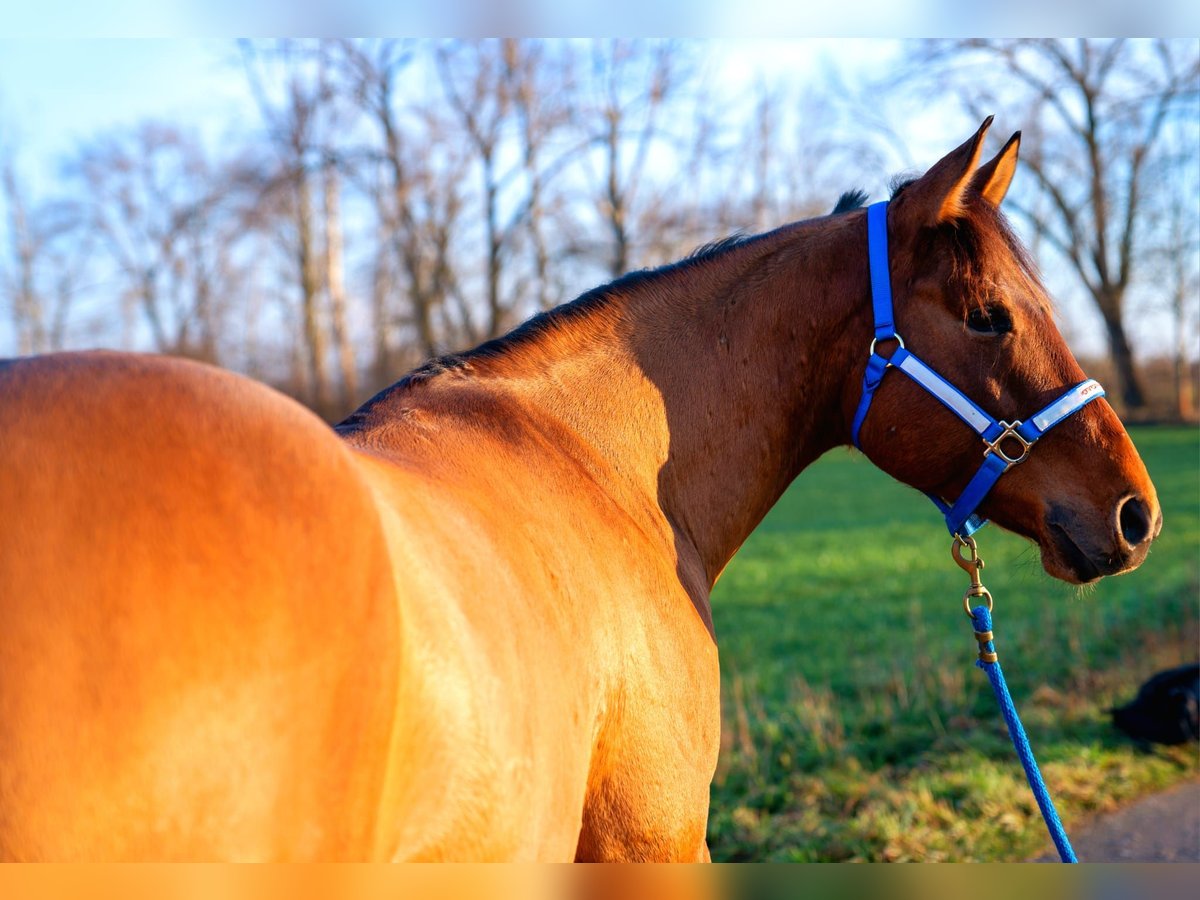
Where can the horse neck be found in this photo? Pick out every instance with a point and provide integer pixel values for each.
(718, 381)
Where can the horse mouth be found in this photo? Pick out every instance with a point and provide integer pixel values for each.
(1069, 562)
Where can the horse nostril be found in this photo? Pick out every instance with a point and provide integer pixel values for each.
(1134, 520)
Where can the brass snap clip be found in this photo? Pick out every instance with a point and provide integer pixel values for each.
(973, 566)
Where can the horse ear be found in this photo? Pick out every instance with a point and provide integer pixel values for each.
(993, 178)
(940, 194)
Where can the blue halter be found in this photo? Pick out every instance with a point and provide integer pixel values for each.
(961, 518)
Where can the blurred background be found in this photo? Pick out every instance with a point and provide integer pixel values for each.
(322, 215)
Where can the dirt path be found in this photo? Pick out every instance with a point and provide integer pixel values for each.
(1161, 828)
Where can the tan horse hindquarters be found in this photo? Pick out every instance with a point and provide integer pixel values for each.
(198, 627)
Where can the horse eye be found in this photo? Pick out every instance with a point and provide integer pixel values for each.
(991, 319)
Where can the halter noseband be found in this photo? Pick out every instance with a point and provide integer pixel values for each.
(961, 518)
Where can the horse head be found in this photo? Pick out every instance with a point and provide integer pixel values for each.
(969, 302)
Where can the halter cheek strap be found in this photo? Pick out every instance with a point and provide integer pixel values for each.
(1006, 443)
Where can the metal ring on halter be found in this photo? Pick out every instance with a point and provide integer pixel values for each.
(893, 337)
(1010, 431)
(976, 592)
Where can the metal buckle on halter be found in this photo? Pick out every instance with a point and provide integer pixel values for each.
(1010, 431)
(894, 336)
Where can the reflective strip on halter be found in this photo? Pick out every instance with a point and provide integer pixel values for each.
(1070, 402)
(956, 402)
(1000, 438)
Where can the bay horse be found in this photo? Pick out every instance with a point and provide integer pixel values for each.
(472, 622)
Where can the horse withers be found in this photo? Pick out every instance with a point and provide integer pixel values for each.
(472, 622)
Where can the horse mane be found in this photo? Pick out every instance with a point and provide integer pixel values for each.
(560, 318)
(593, 301)
(857, 198)
(526, 333)
(850, 201)
(718, 247)
(985, 231)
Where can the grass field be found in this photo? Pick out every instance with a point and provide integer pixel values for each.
(856, 725)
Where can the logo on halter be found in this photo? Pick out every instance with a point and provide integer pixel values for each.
(1010, 431)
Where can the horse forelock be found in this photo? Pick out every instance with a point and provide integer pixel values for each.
(987, 254)
(981, 242)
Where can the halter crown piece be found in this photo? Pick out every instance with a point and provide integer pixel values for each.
(961, 518)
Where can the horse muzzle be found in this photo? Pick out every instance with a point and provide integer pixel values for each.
(1080, 547)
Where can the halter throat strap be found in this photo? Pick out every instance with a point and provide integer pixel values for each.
(1005, 443)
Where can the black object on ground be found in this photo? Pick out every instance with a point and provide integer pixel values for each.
(1166, 709)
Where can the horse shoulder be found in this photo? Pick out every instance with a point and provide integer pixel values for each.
(534, 609)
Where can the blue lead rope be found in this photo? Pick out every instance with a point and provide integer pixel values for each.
(1007, 443)
(982, 619)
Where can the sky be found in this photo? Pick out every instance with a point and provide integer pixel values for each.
(54, 93)
(61, 90)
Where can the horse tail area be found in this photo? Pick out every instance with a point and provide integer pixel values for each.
(198, 628)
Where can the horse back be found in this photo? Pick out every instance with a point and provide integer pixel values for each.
(199, 654)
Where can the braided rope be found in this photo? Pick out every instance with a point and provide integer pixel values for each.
(982, 618)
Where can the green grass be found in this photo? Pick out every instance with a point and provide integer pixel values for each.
(856, 725)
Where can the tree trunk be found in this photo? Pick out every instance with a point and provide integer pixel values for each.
(206, 345)
(495, 314)
(148, 294)
(421, 299)
(381, 315)
(616, 206)
(1184, 398)
(1127, 379)
(28, 316)
(314, 332)
(336, 282)
(202, 305)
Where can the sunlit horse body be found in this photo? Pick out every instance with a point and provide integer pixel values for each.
(474, 622)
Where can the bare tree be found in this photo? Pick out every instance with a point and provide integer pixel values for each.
(369, 72)
(1175, 251)
(28, 308)
(63, 266)
(1096, 111)
(49, 255)
(413, 171)
(476, 79)
(150, 199)
(542, 88)
(335, 285)
(626, 85)
(1184, 288)
(511, 98)
(292, 85)
(776, 165)
(762, 145)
